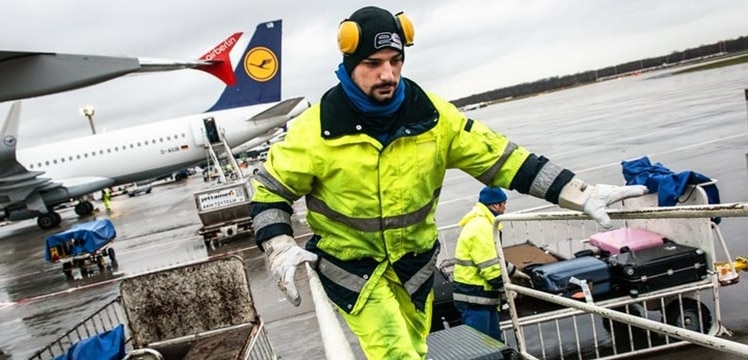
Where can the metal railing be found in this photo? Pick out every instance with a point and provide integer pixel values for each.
(570, 316)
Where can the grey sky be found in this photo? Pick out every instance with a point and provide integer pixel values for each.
(461, 47)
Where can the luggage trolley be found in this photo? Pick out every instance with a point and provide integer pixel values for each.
(204, 310)
(83, 246)
(656, 310)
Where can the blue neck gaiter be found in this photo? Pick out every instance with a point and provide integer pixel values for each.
(363, 103)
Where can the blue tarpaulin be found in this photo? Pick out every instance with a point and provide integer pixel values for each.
(668, 185)
(109, 345)
(91, 236)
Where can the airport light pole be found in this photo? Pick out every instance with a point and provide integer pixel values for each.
(88, 111)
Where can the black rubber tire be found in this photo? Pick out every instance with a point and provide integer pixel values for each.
(112, 258)
(690, 320)
(67, 270)
(47, 221)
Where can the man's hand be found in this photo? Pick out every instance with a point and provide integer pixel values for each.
(593, 200)
(284, 257)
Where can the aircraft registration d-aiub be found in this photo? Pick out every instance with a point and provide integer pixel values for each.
(33, 180)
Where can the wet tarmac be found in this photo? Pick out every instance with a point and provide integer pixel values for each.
(695, 121)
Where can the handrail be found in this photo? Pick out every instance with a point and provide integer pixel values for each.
(690, 211)
(333, 338)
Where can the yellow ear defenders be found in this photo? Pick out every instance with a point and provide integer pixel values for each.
(349, 33)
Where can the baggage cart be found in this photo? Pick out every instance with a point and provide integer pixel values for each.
(204, 310)
(83, 248)
(628, 324)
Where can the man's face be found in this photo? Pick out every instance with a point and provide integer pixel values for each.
(379, 74)
(499, 208)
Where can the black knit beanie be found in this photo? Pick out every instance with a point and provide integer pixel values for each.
(378, 29)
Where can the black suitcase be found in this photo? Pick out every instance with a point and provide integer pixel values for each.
(658, 267)
(444, 310)
(554, 277)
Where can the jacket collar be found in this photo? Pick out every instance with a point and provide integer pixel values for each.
(339, 118)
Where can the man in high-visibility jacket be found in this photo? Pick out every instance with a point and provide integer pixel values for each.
(370, 160)
(477, 272)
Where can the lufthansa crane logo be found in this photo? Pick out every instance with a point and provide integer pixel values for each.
(9, 141)
(261, 64)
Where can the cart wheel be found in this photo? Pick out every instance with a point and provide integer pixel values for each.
(690, 315)
(112, 258)
(100, 263)
(621, 330)
(67, 269)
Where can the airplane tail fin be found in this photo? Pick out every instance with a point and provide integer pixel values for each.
(258, 73)
(9, 137)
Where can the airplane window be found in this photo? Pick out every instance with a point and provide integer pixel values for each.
(46, 163)
(93, 153)
(39, 165)
(138, 144)
(168, 138)
(146, 142)
(31, 166)
(153, 141)
(116, 148)
(54, 161)
(70, 158)
(78, 156)
(62, 160)
(108, 150)
(101, 152)
(160, 140)
(132, 146)
(85, 155)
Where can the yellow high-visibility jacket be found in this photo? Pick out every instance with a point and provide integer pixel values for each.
(372, 203)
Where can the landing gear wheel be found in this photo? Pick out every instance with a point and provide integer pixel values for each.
(690, 315)
(621, 330)
(112, 258)
(84, 208)
(48, 220)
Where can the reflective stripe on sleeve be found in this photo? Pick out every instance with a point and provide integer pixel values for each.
(487, 176)
(544, 179)
(270, 217)
(480, 266)
(264, 178)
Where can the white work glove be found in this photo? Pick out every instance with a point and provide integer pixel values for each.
(594, 199)
(284, 256)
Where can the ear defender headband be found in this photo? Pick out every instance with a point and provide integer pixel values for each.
(349, 33)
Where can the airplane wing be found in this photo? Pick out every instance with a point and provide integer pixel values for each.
(28, 74)
(289, 108)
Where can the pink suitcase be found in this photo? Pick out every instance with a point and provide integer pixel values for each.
(614, 241)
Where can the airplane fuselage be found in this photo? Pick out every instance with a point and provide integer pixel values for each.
(144, 151)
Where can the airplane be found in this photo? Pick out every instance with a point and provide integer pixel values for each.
(33, 180)
(28, 73)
